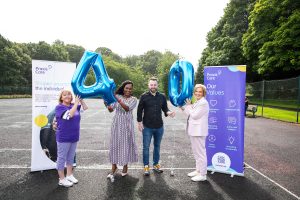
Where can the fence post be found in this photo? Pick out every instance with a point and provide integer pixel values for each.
(298, 104)
(262, 98)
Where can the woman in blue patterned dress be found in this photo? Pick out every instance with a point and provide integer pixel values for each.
(123, 148)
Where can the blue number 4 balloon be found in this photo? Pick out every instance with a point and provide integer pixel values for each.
(104, 86)
(179, 93)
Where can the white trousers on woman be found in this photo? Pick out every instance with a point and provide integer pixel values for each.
(199, 151)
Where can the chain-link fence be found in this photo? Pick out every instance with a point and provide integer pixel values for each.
(279, 94)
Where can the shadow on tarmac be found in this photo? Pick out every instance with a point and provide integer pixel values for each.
(36, 185)
(207, 191)
(155, 187)
(239, 188)
(44, 185)
(122, 187)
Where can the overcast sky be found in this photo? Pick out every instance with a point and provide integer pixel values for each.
(127, 27)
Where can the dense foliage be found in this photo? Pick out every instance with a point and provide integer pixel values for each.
(263, 34)
(15, 64)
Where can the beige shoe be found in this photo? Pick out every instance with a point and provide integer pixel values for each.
(194, 173)
(199, 178)
(124, 174)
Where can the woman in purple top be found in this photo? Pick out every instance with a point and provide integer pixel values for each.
(67, 134)
(122, 148)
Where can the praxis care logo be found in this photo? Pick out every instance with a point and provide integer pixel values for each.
(42, 70)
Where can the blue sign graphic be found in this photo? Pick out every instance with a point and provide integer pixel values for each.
(226, 97)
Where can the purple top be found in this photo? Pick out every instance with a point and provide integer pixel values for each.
(67, 128)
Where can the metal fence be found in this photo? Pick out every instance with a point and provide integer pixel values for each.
(281, 94)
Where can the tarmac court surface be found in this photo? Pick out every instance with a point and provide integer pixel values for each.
(272, 162)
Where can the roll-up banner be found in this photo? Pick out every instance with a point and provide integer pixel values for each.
(226, 96)
(48, 79)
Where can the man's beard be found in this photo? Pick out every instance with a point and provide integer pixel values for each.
(153, 90)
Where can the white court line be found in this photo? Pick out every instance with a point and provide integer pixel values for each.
(81, 150)
(271, 180)
(23, 122)
(103, 167)
(93, 123)
(14, 150)
(94, 128)
(77, 150)
(93, 167)
(14, 113)
(14, 167)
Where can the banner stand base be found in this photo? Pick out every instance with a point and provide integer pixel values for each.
(212, 171)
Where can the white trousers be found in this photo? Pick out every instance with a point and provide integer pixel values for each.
(199, 151)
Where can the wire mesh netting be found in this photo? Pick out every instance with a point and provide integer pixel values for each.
(276, 93)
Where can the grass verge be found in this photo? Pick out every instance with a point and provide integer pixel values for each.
(278, 114)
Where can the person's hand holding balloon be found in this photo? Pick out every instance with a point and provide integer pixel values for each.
(188, 102)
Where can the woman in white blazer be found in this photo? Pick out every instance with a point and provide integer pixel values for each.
(197, 129)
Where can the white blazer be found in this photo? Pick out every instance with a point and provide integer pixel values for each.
(197, 122)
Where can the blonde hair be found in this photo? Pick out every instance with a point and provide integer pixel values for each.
(153, 78)
(200, 86)
(61, 93)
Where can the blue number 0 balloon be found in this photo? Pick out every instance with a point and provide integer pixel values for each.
(104, 86)
(179, 93)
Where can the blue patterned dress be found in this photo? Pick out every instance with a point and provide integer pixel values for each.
(123, 148)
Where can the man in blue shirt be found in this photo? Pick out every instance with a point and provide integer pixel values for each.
(149, 117)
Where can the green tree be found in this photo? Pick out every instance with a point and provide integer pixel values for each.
(165, 63)
(104, 51)
(4, 43)
(45, 51)
(59, 51)
(224, 41)
(199, 77)
(75, 52)
(132, 60)
(26, 63)
(14, 66)
(271, 43)
(149, 62)
(121, 72)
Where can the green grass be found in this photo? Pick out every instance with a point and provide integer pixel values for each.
(15, 96)
(278, 114)
(278, 103)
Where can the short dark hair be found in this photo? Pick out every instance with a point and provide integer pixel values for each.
(120, 90)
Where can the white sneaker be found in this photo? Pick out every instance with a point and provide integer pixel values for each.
(64, 182)
(109, 176)
(194, 173)
(199, 178)
(72, 179)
